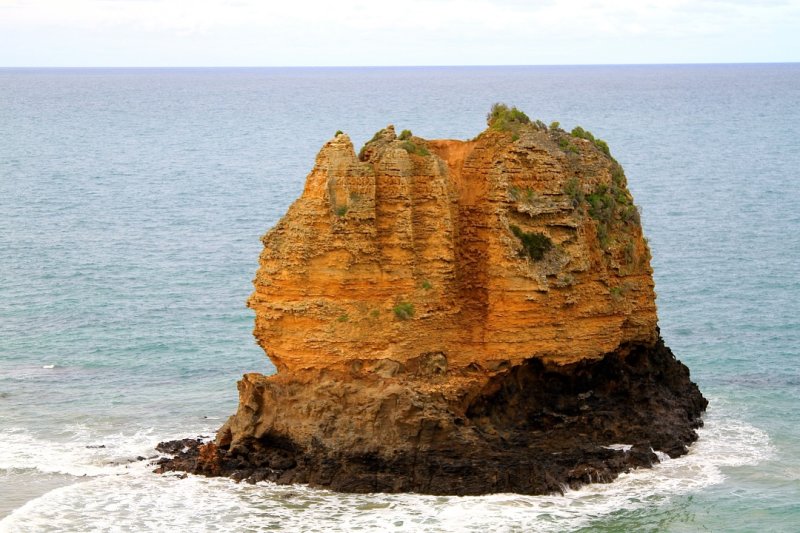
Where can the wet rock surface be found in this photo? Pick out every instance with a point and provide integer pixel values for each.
(534, 429)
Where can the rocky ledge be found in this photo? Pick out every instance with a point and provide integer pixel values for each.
(456, 317)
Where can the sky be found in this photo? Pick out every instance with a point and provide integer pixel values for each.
(161, 33)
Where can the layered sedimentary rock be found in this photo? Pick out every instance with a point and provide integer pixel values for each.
(456, 317)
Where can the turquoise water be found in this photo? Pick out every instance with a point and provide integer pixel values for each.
(131, 206)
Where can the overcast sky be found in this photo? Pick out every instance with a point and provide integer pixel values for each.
(401, 32)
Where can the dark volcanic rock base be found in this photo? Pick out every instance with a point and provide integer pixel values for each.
(532, 429)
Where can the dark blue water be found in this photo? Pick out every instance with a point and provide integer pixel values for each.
(131, 206)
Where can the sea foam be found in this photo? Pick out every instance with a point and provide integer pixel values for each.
(123, 496)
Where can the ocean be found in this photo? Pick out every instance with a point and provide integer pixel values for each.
(131, 206)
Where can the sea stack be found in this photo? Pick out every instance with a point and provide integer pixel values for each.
(456, 317)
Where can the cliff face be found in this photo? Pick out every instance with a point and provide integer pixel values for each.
(432, 234)
(457, 317)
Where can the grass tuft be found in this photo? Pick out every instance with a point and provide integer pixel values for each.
(403, 310)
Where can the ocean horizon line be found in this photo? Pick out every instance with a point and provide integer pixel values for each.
(388, 67)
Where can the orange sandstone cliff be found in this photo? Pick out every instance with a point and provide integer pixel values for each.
(457, 317)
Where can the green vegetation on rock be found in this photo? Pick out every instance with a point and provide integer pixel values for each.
(567, 146)
(362, 154)
(574, 190)
(403, 310)
(412, 148)
(609, 206)
(534, 245)
(601, 145)
(504, 118)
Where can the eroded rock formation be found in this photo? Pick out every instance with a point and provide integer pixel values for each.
(456, 317)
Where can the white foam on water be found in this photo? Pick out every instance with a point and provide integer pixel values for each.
(77, 452)
(132, 498)
(619, 447)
